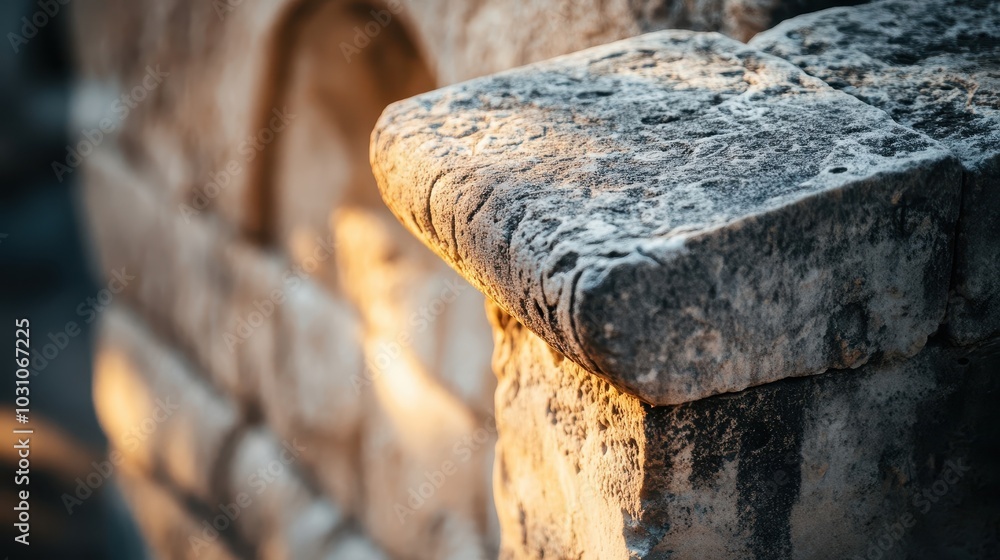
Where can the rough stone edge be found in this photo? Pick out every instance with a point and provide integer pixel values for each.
(570, 343)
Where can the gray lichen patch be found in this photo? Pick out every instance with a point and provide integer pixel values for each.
(680, 213)
(934, 66)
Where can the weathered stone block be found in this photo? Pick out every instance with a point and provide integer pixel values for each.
(933, 66)
(899, 456)
(680, 213)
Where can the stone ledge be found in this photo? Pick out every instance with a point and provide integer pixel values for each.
(933, 66)
(680, 213)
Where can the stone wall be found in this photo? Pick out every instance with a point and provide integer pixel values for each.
(301, 328)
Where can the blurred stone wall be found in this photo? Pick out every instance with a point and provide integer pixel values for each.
(286, 373)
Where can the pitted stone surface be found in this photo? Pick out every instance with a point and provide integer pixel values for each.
(828, 466)
(680, 213)
(933, 66)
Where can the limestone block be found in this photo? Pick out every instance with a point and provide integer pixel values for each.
(266, 511)
(897, 455)
(172, 259)
(933, 66)
(157, 413)
(680, 213)
(469, 39)
(261, 496)
(261, 118)
(165, 522)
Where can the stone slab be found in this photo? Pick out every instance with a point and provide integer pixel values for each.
(895, 460)
(933, 66)
(680, 213)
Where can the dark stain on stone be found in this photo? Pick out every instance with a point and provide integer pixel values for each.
(565, 263)
(658, 119)
(764, 447)
(761, 430)
(594, 94)
(710, 452)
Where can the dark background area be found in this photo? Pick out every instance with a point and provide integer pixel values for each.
(44, 277)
